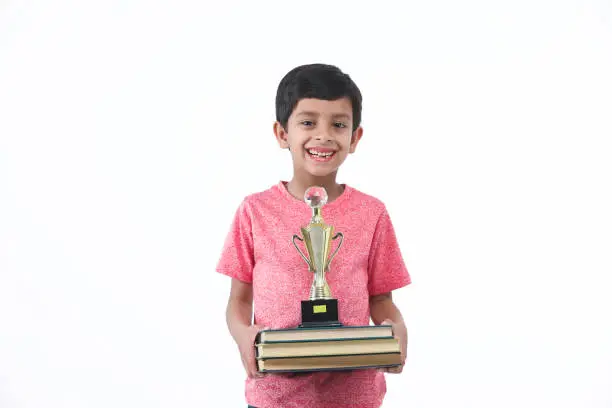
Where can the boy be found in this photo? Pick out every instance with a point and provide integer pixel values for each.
(318, 115)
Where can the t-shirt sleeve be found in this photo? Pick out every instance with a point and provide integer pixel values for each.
(386, 268)
(237, 257)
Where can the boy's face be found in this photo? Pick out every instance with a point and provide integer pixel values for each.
(319, 135)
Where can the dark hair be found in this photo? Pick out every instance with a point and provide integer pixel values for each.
(319, 81)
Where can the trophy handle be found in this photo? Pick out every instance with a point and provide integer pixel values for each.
(300, 251)
(338, 235)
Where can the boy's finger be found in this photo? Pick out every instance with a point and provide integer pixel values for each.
(256, 373)
(253, 373)
(255, 331)
(253, 367)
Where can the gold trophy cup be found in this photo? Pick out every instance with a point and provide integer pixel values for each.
(321, 309)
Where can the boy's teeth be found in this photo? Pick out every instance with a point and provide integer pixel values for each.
(320, 154)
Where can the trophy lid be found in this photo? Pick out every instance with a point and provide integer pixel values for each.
(315, 197)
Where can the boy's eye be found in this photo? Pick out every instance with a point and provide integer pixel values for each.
(340, 124)
(306, 122)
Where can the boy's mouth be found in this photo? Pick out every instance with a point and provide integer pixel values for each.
(321, 154)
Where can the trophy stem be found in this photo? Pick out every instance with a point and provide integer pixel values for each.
(316, 215)
(319, 289)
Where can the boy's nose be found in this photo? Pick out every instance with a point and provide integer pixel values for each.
(324, 136)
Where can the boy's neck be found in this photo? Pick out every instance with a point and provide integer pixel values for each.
(298, 186)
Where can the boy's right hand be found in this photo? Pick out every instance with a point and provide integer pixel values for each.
(246, 345)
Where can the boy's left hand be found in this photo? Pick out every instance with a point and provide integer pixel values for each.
(401, 333)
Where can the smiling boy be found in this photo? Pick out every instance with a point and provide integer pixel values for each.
(318, 119)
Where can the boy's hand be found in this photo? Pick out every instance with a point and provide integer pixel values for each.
(399, 332)
(246, 344)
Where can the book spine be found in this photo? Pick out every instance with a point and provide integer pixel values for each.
(325, 340)
(328, 355)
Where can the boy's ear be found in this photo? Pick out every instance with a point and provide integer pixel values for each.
(281, 135)
(355, 138)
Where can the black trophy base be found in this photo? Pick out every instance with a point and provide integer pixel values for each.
(320, 313)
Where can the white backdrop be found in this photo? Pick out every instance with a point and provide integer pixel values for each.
(131, 130)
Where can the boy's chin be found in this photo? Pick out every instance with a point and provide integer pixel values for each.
(321, 173)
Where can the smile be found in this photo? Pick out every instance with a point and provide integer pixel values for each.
(320, 156)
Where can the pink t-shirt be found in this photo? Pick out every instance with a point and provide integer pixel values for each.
(258, 250)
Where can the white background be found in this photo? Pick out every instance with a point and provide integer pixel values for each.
(131, 130)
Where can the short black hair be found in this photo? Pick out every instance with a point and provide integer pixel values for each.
(319, 81)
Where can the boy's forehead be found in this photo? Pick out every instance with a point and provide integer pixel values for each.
(312, 106)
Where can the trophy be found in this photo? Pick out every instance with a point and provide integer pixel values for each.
(321, 309)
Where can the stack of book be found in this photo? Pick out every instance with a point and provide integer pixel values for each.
(327, 349)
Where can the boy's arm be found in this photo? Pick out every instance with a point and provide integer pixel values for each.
(238, 316)
(383, 310)
(239, 306)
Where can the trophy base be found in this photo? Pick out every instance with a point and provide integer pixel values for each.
(320, 313)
